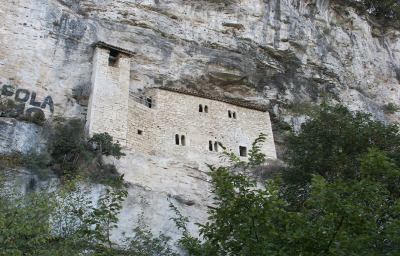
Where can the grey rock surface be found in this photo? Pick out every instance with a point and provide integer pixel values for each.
(288, 54)
(21, 137)
(279, 52)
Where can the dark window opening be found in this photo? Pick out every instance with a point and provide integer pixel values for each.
(113, 58)
(234, 115)
(206, 109)
(176, 139)
(210, 145)
(229, 114)
(149, 102)
(183, 140)
(242, 151)
(200, 108)
(140, 132)
(216, 146)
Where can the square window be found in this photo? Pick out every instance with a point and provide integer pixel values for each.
(243, 151)
(113, 58)
(140, 132)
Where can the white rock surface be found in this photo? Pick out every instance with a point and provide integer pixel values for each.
(279, 52)
(21, 137)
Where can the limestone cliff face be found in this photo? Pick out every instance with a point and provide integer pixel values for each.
(284, 53)
(279, 52)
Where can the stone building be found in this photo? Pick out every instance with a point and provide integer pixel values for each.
(175, 122)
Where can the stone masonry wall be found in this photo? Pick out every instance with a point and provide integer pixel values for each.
(141, 118)
(176, 113)
(108, 103)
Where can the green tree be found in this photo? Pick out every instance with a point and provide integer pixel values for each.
(144, 243)
(351, 206)
(331, 144)
(68, 146)
(75, 155)
(103, 219)
(383, 8)
(24, 224)
(103, 143)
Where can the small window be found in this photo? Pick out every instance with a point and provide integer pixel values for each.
(140, 132)
(200, 108)
(113, 58)
(243, 151)
(216, 146)
(206, 109)
(234, 115)
(149, 102)
(210, 145)
(183, 140)
(176, 139)
(229, 114)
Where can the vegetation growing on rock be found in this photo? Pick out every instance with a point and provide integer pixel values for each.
(66, 222)
(383, 8)
(338, 195)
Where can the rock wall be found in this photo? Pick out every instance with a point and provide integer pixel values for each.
(21, 137)
(274, 51)
(284, 53)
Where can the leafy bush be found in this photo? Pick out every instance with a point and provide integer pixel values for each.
(383, 8)
(36, 162)
(68, 146)
(36, 118)
(145, 243)
(391, 108)
(65, 222)
(73, 154)
(24, 224)
(347, 164)
(8, 108)
(10, 161)
(103, 143)
(333, 142)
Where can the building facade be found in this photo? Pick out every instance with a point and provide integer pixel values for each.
(170, 121)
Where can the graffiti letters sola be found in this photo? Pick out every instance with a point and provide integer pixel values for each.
(25, 96)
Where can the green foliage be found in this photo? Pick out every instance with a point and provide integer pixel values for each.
(10, 161)
(256, 157)
(376, 166)
(338, 218)
(24, 224)
(103, 142)
(145, 244)
(192, 245)
(74, 155)
(8, 108)
(66, 222)
(391, 108)
(333, 142)
(383, 8)
(36, 162)
(103, 219)
(343, 178)
(36, 118)
(68, 146)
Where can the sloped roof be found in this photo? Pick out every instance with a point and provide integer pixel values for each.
(109, 46)
(233, 101)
